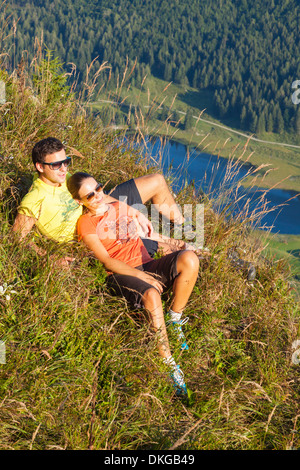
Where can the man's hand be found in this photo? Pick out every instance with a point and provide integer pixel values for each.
(203, 252)
(64, 262)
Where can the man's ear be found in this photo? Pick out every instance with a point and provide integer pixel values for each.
(39, 167)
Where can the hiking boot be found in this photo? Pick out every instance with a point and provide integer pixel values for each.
(245, 266)
(178, 381)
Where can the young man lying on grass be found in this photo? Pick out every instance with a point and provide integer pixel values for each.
(111, 230)
(49, 207)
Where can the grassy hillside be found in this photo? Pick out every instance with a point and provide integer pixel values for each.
(81, 369)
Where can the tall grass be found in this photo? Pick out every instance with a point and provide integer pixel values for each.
(81, 367)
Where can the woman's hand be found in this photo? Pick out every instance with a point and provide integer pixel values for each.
(150, 279)
(116, 266)
(145, 225)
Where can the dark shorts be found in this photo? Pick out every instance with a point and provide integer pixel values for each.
(128, 190)
(128, 193)
(133, 289)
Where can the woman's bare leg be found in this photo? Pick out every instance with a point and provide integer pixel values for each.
(187, 268)
(152, 303)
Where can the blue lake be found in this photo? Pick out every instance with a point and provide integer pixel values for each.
(210, 173)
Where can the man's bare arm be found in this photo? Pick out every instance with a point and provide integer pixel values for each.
(23, 225)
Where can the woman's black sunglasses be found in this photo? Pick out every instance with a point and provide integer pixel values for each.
(90, 196)
(58, 165)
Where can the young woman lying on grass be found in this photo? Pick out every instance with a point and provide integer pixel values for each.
(112, 232)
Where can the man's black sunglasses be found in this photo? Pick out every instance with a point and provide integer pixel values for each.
(58, 165)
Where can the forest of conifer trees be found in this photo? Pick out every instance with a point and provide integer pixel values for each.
(245, 53)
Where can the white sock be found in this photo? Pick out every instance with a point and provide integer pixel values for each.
(174, 316)
(169, 361)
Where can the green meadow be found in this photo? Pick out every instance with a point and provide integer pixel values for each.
(279, 165)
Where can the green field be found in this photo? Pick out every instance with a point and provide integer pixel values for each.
(279, 166)
(287, 247)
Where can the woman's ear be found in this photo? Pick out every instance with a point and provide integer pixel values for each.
(78, 202)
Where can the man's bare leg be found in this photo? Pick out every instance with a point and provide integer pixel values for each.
(154, 188)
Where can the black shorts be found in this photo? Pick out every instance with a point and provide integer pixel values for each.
(129, 191)
(133, 289)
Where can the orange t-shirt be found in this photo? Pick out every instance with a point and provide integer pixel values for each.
(118, 232)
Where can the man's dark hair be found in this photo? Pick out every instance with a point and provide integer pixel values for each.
(45, 147)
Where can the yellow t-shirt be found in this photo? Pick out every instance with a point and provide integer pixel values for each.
(54, 209)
